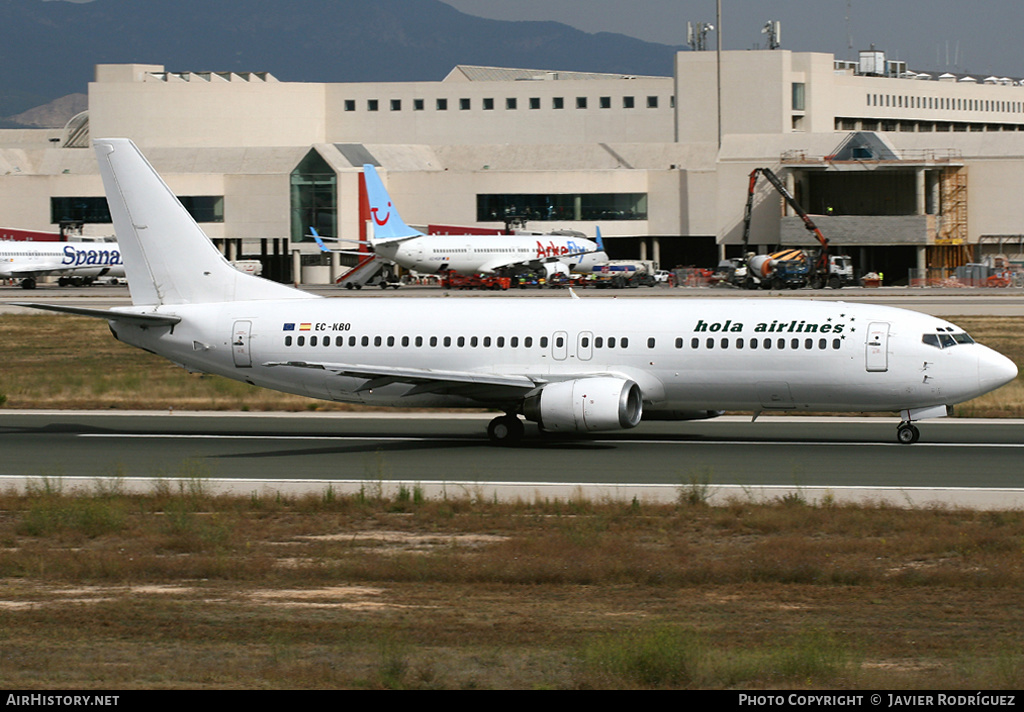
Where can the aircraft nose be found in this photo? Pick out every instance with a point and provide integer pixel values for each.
(994, 370)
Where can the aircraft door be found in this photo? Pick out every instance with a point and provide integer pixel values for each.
(876, 353)
(560, 345)
(585, 346)
(240, 338)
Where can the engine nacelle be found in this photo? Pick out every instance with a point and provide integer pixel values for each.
(586, 404)
(552, 268)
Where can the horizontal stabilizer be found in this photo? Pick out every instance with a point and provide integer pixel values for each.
(108, 314)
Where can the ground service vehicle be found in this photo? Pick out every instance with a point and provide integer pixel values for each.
(619, 274)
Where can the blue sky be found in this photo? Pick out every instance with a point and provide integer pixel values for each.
(955, 35)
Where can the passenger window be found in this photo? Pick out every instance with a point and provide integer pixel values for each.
(794, 344)
(419, 341)
(724, 343)
(836, 343)
(351, 341)
(301, 341)
(739, 343)
(753, 344)
(377, 341)
(599, 342)
(782, 343)
(650, 343)
(585, 342)
(694, 343)
(808, 344)
(405, 341)
(710, 343)
(822, 343)
(514, 342)
(433, 342)
(473, 341)
(611, 342)
(487, 342)
(391, 341)
(447, 342)
(501, 342)
(767, 343)
(461, 341)
(528, 341)
(623, 342)
(287, 341)
(679, 342)
(312, 341)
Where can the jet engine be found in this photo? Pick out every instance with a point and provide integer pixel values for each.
(552, 268)
(586, 404)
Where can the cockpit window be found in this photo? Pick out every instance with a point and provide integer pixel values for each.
(944, 340)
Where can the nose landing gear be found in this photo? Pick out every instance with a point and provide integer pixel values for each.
(907, 433)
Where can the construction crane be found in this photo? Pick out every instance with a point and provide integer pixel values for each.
(792, 268)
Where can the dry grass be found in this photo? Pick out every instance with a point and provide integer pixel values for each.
(63, 362)
(183, 589)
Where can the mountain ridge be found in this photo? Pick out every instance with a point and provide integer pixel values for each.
(49, 49)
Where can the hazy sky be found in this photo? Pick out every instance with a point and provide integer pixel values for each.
(958, 35)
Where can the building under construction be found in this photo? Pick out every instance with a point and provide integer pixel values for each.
(910, 174)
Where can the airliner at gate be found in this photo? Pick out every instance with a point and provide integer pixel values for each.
(75, 262)
(394, 241)
(571, 365)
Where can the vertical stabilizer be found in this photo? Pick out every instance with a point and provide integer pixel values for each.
(387, 223)
(168, 259)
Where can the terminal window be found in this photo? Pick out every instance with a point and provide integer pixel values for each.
(561, 206)
(202, 208)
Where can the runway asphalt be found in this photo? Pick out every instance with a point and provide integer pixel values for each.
(958, 462)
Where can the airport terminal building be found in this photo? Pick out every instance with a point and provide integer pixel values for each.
(907, 173)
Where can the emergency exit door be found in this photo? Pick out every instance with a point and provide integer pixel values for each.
(876, 353)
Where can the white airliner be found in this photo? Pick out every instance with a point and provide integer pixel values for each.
(75, 262)
(396, 242)
(572, 366)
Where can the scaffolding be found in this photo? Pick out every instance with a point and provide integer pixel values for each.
(951, 249)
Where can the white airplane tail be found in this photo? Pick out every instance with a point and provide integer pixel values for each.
(388, 225)
(168, 259)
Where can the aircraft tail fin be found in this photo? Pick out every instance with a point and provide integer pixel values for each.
(388, 225)
(600, 242)
(168, 258)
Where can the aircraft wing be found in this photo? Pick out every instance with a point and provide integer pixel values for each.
(534, 263)
(425, 380)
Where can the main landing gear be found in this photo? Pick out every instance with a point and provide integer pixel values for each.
(505, 430)
(907, 433)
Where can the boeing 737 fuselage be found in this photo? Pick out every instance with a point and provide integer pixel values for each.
(396, 242)
(572, 365)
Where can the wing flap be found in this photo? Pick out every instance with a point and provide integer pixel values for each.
(424, 380)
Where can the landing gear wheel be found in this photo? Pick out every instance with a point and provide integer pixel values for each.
(505, 430)
(907, 433)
